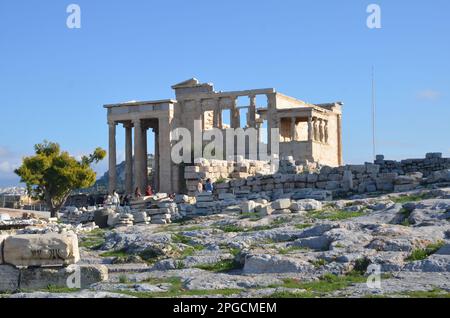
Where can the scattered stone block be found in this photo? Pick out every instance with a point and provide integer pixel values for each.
(41, 250)
(266, 210)
(141, 217)
(74, 276)
(9, 279)
(227, 196)
(205, 205)
(2, 239)
(282, 211)
(153, 211)
(4, 217)
(125, 219)
(281, 204)
(306, 205)
(248, 206)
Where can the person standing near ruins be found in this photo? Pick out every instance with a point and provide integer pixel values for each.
(116, 199)
(137, 193)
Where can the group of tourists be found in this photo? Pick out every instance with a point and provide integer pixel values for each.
(124, 200)
(208, 186)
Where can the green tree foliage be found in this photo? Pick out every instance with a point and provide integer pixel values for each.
(51, 174)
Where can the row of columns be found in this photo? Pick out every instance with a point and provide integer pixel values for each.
(139, 170)
(317, 129)
(235, 114)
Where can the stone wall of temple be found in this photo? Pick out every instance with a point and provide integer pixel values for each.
(380, 176)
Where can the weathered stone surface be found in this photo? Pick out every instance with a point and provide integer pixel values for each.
(41, 250)
(434, 263)
(266, 210)
(248, 206)
(306, 205)
(257, 264)
(74, 276)
(318, 243)
(2, 239)
(281, 204)
(9, 278)
(282, 211)
(444, 250)
(75, 295)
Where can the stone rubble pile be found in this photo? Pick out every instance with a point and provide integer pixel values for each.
(31, 261)
(205, 205)
(124, 219)
(74, 215)
(29, 223)
(221, 170)
(157, 209)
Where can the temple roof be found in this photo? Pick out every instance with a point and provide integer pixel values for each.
(192, 82)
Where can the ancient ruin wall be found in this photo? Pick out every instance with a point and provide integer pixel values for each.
(254, 177)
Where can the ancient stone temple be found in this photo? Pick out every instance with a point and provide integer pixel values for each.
(310, 132)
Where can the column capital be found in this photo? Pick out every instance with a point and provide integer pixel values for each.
(112, 123)
(127, 125)
(137, 122)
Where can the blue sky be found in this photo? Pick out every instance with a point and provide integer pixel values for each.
(54, 80)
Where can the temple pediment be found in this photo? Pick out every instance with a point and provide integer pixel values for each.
(192, 82)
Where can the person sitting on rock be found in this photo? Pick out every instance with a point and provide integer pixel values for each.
(209, 187)
(200, 187)
(148, 191)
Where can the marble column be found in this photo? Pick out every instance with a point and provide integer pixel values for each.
(252, 112)
(138, 153)
(235, 115)
(128, 158)
(316, 129)
(156, 166)
(258, 138)
(165, 162)
(339, 135)
(112, 182)
(144, 158)
(310, 129)
(321, 130)
(293, 129)
(326, 132)
(217, 121)
(271, 119)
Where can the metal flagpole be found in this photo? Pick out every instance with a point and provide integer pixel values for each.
(373, 114)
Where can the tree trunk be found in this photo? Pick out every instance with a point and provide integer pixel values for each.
(55, 208)
(53, 213)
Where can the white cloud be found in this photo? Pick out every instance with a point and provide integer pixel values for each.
(429, 95)
(4, 152)
(7, 167)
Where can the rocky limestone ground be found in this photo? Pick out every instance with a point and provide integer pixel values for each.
(323, 250)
